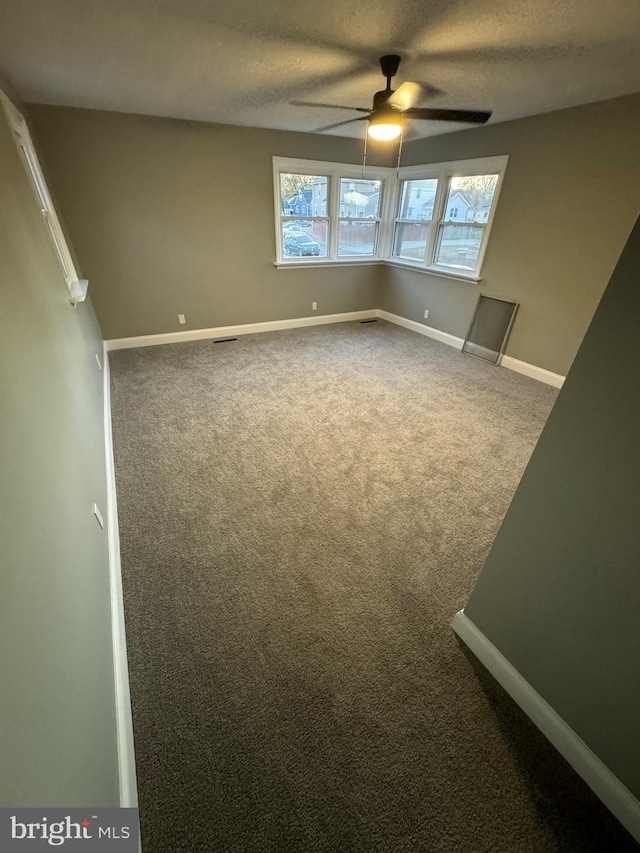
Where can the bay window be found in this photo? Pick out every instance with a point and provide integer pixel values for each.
(433, 218)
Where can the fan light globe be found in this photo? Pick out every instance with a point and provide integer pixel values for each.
(384, 132)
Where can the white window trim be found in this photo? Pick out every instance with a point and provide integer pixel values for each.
(440, 272)
(392, 182)
(77, 287)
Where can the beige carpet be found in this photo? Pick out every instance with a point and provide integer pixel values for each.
(302, 513)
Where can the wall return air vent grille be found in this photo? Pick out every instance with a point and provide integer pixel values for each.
(490, 328)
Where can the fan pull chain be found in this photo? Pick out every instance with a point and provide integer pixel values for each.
(364, 159)
(399, 153)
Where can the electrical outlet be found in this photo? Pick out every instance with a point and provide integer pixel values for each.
(314, 306)
(426, 313)
(181, 319)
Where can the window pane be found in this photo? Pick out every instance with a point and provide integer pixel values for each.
(470, 198)
(304, 238)
(459, 246)
(357, 238)
(416, 201)
(410, 240)
(359, 199)
(303, 195)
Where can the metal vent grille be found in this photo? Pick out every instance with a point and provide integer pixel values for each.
(490, 328)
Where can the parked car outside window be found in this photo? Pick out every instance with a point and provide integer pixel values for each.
(300, 244)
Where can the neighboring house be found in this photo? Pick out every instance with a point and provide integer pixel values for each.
(319, 198)
(461, 207)
(417, 202)
(359, 199)
(300, 204)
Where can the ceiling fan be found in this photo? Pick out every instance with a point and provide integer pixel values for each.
(392, 106)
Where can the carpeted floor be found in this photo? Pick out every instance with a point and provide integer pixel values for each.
(301, 515)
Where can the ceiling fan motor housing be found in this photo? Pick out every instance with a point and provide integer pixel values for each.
(380, 100)
(389, 65)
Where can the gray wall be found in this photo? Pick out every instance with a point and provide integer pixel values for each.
(559, 592)
(172, 217)
(568, 202)
(57, 703)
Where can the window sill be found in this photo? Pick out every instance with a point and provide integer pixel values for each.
(331, 262)
(300, 264)
(459, 276)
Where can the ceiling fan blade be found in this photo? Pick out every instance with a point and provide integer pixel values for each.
(328, 106)
(266, 24)
(405, 96)
(468, 116)
(429, 91)
(292, 88)
(339, 124)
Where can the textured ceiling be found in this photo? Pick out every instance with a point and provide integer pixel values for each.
(243, 61)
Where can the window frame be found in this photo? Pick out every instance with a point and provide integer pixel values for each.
(391, 196)
(285, 217)
(377, 220)
(409, 219)
(334, 172)
(76, 286)
(444, 172)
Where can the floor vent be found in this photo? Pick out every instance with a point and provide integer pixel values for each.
(369, 321)
(224, 340)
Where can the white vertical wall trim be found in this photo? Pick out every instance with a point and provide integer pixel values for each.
(124, 721)
(616, 796)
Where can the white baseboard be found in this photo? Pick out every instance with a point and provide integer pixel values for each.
(234, 331)
(124, 721)
(421, 329)
(616, 796)
(539, 373)
(507, 361)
